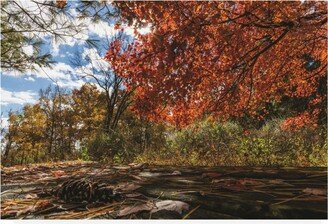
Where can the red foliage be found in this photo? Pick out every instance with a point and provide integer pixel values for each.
(61, 3)
(222, 58)
(302, 120)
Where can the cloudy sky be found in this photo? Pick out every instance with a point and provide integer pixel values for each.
(18, 89)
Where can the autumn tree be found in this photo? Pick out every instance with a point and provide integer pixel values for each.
(32, 129)
(9, 136)
(60, 135)
(25, 137)
(88, 111)
(58, 126)
(46, 130)
(117, 98)
(224, 59)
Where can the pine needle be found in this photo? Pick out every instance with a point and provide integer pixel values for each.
(189, 213)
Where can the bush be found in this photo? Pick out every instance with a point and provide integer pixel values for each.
(228, 144)
(85, 154)
(132, 138)
(104, 147)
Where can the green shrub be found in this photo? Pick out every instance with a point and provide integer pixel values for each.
(104, 147)
(228, 144)
(85, 154)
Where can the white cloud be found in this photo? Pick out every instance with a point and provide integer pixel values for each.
(17, 97)
(29, 78)
(73, 12)
(98, 62)
(12, 73)
(60, 73)
(4, 123)
(57, 71)
(101, 28)
(78, 39)
(28, 50)
(71, 83)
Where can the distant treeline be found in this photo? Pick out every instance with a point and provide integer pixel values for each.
(65, 125)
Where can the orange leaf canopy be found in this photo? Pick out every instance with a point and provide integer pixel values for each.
(222, 58)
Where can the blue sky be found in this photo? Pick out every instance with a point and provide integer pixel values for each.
(18, 89)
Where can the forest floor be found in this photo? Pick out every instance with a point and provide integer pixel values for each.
(75, 190)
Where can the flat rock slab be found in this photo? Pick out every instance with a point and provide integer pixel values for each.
(186, 192)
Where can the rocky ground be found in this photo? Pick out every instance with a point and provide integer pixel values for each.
(80, 190)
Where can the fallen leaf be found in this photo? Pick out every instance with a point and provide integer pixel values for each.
(58, 173)
(225, 180)
(212, 175)
(188, 181)
(229, 183)
(247, 181)
(43, 204)
(177, 206)
(176, 173)
(121, 167)
(315, 191)
(135, 177)
(31, 196)
(134, 209)
(38, 206)
(133, 195)
(260, 170)
(127, 187)
(150, 174)
(138, 166)
(279, 182)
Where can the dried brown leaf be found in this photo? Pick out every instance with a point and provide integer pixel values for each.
(134, 209)
(211, 175)
(31, 196)
(315, 191)
(127, 187)
(58, 173)
(169, 205)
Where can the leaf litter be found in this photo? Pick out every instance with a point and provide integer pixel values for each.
(81, 190)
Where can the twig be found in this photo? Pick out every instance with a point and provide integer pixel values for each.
(289, 199)
(192, 211)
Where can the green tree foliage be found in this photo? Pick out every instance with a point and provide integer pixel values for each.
(23, 27)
